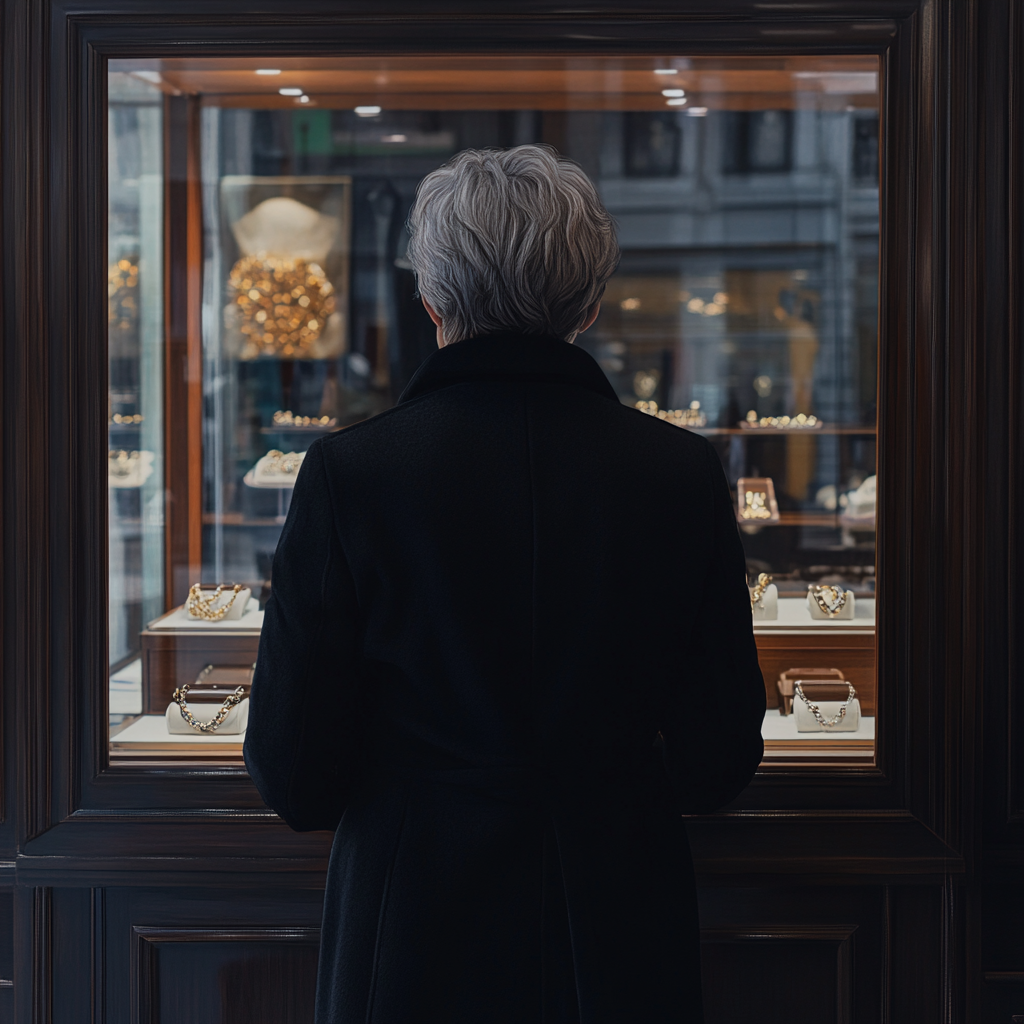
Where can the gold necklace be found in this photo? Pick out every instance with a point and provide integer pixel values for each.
(200, 607)
(831, 600)
(763, 580)
(180, 697)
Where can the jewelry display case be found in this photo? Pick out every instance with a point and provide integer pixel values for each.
(745, 192)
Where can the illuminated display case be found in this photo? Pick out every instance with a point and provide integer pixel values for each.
(745, 192)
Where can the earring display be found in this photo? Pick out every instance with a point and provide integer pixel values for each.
(755, 500)
(276, 469)
(829, 602)
(764, 598)
(129, 468)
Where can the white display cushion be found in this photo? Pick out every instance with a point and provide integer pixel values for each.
(806, 722)
(235, 611)
(778, 728)
(848, 611)
(149, 733)
(234, 723)
(768, 606)
(263, 473)
(179, 619)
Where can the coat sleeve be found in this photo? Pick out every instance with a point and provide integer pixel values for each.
(302, 739)
(711, 737)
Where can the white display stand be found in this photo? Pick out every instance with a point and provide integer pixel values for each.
(783, 727)
(795, 615)
(768, 606)
(179, 619)
(149, 733)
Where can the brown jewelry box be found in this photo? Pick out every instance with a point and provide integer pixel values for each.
(788, 679)
(171, 658)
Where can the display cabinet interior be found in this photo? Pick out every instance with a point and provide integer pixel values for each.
(259, 297)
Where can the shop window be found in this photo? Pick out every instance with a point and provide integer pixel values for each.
(259, 296)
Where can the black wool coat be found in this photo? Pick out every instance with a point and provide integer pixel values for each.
(509, 642)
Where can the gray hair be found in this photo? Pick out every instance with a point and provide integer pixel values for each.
(511, 240)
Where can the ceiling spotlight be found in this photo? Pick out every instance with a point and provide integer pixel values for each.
(303, 99)
(367, 111)
(289, 91)
(677, 101)
(697, 112)
(268, 71)
(674, 94)
(666, 71)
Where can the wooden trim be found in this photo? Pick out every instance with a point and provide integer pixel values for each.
(183, 387)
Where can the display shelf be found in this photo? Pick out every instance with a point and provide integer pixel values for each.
(783, 432)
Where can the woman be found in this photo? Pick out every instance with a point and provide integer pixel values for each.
(509, 643)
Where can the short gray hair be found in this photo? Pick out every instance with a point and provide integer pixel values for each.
(511, 240)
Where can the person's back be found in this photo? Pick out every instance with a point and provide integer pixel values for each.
(509, 643)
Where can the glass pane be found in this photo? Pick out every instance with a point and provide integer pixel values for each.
(745, 191)
(135, 410)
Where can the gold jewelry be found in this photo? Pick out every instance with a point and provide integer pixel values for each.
(287, 418)
(180, 696)
(126, 420)
(200, 607)
(825, 723)
(284, 304)
(691, 417)
(282, 462)
(801, 421)
(831, 600)
(763, 580)
(755, 505)
(122, 464)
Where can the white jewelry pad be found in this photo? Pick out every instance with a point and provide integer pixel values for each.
(806, 722)
(234, 723)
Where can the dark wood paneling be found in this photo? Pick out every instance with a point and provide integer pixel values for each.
(224, 976)
(804, 975)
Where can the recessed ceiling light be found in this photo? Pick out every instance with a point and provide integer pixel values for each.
(289, 91)
(697, 112)
(268, 71)
(303, 99)
(673, 93)
(367, 111)
(677, 102)
(666, 71)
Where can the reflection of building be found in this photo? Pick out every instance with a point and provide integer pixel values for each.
(747, 282)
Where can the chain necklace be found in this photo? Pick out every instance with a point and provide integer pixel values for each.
(200, 607)
(180, 697)
(831, 600)
(825, 723)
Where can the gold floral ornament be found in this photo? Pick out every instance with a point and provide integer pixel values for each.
(284, 304)
(122, 289)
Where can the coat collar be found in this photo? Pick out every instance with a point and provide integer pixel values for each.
(509, 357)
